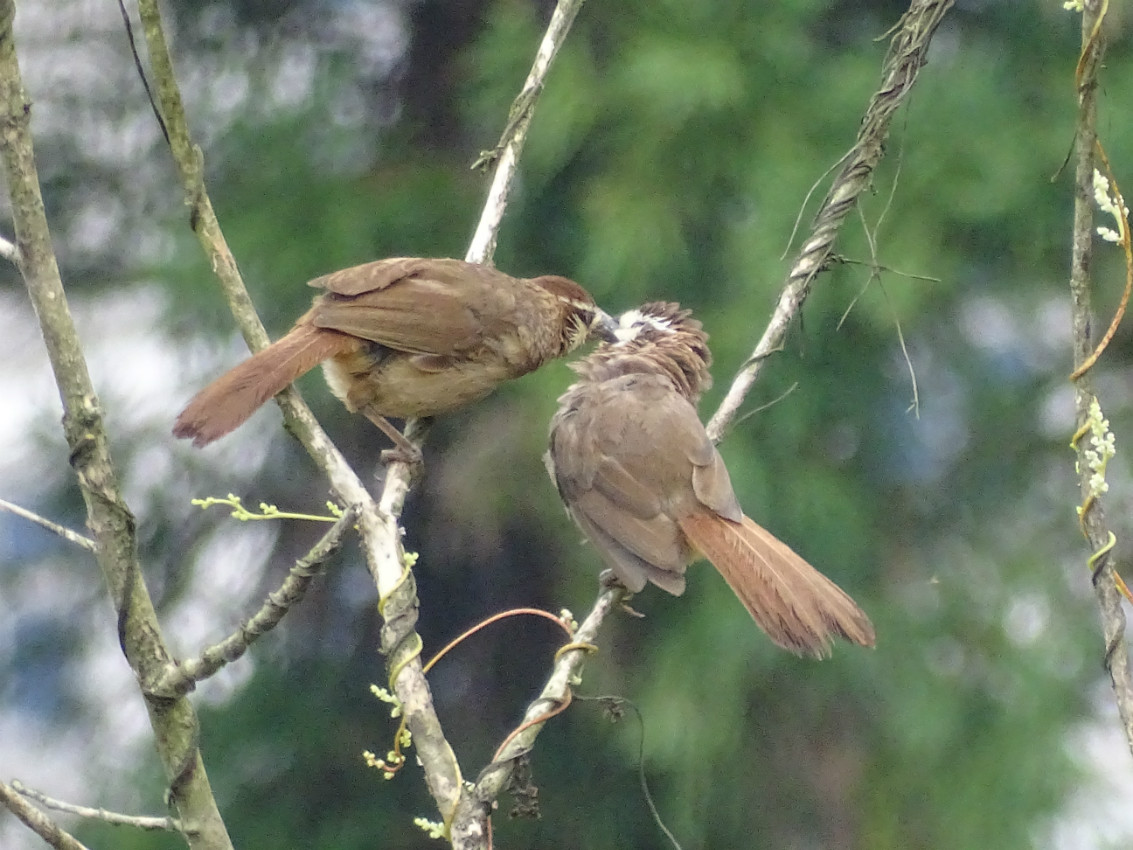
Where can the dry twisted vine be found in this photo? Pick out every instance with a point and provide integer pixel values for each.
(907, 52)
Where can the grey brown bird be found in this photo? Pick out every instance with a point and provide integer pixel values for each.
(405, 337)
(643, 481)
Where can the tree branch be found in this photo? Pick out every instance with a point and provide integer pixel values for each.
(1088, 412)
(506, 153)
(381, 537)
(906, 57)
(396, 639)
(191, 167)
(470, 829)
(54, 527)
(34, 819)
(150, 824)
(180, 677)
(112, 524)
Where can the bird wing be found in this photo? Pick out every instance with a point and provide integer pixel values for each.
(629, 455)
(380, 274)
(385, 302)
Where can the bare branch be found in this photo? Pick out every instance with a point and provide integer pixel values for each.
(470, 826)
(507, 150)
(109, 518)
(180, 677)
(202, 218)
(902, 65)
(150, 824)
(190, 165)
(65, 533)
(1089, 417)
(37, 821)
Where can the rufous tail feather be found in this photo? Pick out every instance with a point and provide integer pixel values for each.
(800, 609)
(227, 402)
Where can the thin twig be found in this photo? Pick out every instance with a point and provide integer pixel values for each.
(767, 405)
(180, 677)
(1092, 513)
(881, 267)
(54, 527)
(902, 65)
(150, 824)
(37, 821)
(806, 200)
(142, 71)
(510, 146)
(615, 706)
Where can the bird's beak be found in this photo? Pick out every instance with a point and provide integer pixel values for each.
(604, 326)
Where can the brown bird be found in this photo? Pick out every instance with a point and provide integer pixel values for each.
(643, 481)
(406, 337)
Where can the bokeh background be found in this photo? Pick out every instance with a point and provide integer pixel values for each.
(669, 158)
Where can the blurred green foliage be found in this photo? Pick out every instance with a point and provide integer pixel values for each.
(669, 157)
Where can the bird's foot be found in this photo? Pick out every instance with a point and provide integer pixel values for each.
(403, 451)
(408, 454)
(608, 580)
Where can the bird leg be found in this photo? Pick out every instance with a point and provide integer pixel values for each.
(403, 450)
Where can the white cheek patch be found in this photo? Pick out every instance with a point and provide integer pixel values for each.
(631, 323)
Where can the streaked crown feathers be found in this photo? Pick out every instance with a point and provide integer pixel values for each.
(656, 337)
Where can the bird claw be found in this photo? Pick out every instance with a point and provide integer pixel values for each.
(608, 580)
(628, 609)
(408, 454)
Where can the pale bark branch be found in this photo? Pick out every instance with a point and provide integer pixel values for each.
(480, 251)
(505, 155)
(906, 57)
(1093, 521)
(150, 824)
(470, 828)
(191, 167)
(54, 527)
(111, 523)
(37, 821)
